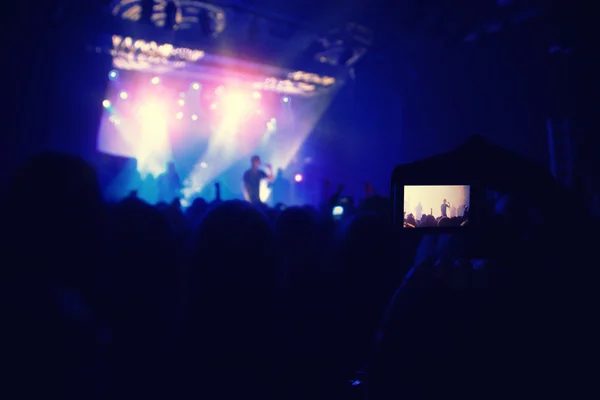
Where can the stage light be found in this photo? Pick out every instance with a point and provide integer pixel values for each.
(256, 95)
(203, 165)
(298, 178)
(196, 86)
(272, 125)
(213, 106)
(155, 80)
(106, 103)
(152, 113)
(235, 104)
(123, 95)
(112, 75)
(181, 102)
(194, 117)
(179, 115)
(152, 125)
(285, 99)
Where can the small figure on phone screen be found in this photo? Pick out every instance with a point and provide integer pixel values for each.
(444, 208)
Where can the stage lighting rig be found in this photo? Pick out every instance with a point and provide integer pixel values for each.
(190, 15)
(345, 46)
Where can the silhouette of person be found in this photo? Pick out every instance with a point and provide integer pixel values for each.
(281, 189)
(419, 210)
(169, 184)
(252, 178)
(217, 192)
(444, 208)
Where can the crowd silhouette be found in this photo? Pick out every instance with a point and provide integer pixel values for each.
(226, 300)
(430, 221)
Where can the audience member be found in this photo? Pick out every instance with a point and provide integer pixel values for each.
(226, 300)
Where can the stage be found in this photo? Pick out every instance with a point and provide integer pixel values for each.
(207, 114)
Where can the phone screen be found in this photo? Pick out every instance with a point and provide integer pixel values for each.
(337, 211)
(436, 206)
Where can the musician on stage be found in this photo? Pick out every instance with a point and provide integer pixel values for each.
(252, 178)
(169, 184)
(444, 208)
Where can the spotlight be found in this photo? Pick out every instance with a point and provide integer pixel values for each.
(213, 106)
(106, 103)
(272, 126)
(203, 165)
(194, 117)
(298, 178)
(179, 115)
(123, 95)
(256, 95)
(112, 75)
(196, 86)
(236, 105)
(181, 102)
(285, 99)
(155, 80)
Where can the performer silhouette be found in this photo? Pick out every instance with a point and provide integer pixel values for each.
(252, 178)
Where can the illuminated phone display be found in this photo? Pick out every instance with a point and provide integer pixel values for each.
(436, 206)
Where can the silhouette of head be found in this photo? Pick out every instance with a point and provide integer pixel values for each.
(171, 167)
(64, 227)
(255, 162)
(444, 201)
(280, 173)
(430, 221)
(444, 222)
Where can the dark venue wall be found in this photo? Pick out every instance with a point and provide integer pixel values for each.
(437, 75)
(57, 80)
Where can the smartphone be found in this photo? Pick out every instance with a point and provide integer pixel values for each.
(436, 206)
(337, 212)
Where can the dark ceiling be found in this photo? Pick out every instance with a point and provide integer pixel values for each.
(427, 29)
(434, 19)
